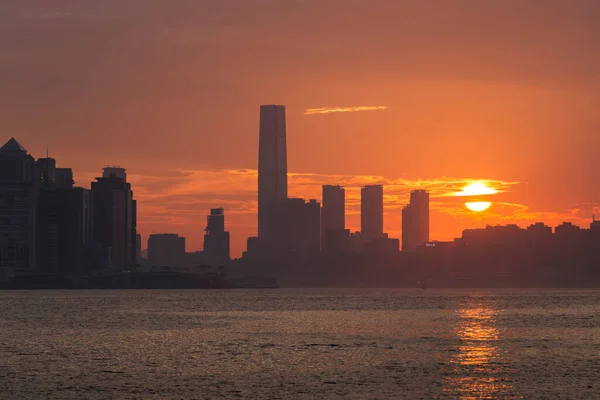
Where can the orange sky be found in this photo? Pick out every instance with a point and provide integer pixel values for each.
(506, 91)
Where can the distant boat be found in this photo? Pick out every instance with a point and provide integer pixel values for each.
(422, 284)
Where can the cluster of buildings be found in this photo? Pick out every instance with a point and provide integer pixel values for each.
(168, 249)
(50, 226)
(307, 227)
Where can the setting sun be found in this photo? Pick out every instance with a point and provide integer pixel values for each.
(478, 206)
(476, 189)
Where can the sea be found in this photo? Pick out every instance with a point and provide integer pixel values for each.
(300, 344)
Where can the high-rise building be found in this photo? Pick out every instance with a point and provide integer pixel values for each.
(64, 178)
(298, 225)
(114, 217)
(216, 239)
(64, 221)
(415, 220)
(333, 220)
(371, 212)
(46, 170)
(65, 240)
(406, 229)
(272, 167)
(166, 250)
(18, 209)
(138, 249)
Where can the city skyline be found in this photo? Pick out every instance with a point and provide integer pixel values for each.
(415, 96)
(453, 192)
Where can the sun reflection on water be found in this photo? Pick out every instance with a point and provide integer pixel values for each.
(476, 363)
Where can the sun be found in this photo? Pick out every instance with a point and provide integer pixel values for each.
(476, 189)
(478, 206)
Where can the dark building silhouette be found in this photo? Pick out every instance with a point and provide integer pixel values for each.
(371, 213)
(65, 242)
(333, 218)
(138, 249)
(336, 240)
(415, 221)
(18, 209)
(46, 172)
(298, 226)
(64, 221)
(272, 167)
(166, 249)
(114, 217)
(216, 239)
(539, 234)
(64, 178)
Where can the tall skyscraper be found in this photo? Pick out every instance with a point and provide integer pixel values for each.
(333, 219)
(272, 167)
(216, 239)
(415, 220)
(18, 209)
(371, 212)
(65, 234)
(114, 217)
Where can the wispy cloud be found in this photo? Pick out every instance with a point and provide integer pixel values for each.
(329, 110)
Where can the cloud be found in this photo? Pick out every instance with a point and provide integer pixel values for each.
(329, 110)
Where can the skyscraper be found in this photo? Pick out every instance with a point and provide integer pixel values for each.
(272, 167)
(216, 239)
(333, 219)
(114, 217)
(415, 220)
(166, 250)
(297, 226)
(371, 212)
(18, 209)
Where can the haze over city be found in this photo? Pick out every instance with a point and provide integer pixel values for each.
(414, 94)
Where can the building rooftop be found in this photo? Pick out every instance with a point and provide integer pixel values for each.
(13, 145)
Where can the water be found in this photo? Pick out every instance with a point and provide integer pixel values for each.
(300, 344)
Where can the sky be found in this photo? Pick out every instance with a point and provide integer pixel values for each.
(434, 94)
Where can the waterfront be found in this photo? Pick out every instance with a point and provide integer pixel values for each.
(300, 344)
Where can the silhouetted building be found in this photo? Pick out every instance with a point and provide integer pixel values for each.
(333, 218)
(499, 235)
(337, 240)
(298, 225)
(65, 220)
(114, 217)
(272, 167)
(134, 260)
(568, 234)
(383, 245)
(216, 239)
(371, 212)
(138, 249)
(64, 178)
(46, 170)
(415, 221)
(18, 209)
(539, 234)
(166, 249)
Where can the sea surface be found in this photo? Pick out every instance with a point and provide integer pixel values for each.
(300, 344)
